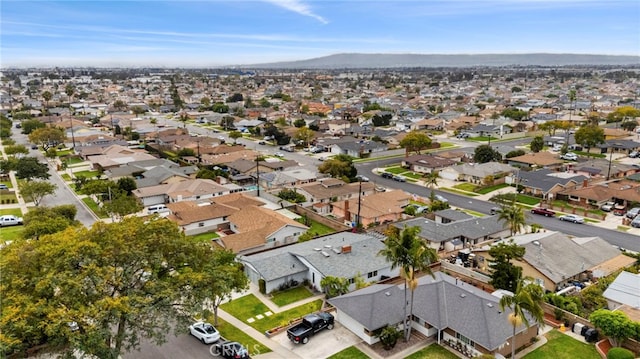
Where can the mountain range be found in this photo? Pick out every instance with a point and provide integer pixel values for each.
(358, 60)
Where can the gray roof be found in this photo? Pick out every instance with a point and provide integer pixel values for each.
(453, 214)
(156, 175)
(441, 301)
(472, 228)
(283, 261)
(625, 289)
(544, 179)
(560, 257)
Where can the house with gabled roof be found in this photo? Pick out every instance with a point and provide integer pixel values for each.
(426, 163)
(115, 156)
(189, 190)
(476, 172)
(373, 209)
(624, 291)
(622, 192)
(547, 183)
(443, 307)
(343, 255)
(194, 218)
(542, 159)
(327, 190)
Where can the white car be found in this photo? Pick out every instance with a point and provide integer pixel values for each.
(572, 218)
(205, 332)
(441, 198)
(10, 220)
(569, 156)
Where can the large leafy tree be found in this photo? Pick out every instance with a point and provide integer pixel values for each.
(230, 278)
(48, 137)
(405, 250)
(234, 135)
(589, 136)
(340, 166)
(622, 114)
(415, 141)
(41, 221)
(29, 168)
(116, 283)
(525, 304)
(485, 153)
(505, 275)
(304, 134)
(35, 191)
(537, 144)
(615, 325)
(29, 126)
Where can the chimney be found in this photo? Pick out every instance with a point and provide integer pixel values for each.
(585, 182)
(347, 214)
(346, 249)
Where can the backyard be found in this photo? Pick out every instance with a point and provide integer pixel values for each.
(316, 228)
(249, 307)
(204, 237)
(562, 346)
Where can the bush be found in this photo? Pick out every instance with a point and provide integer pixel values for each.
(389, 336)
(619, 353)
(263, 286)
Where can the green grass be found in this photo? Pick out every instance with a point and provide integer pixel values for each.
(473, 213)
(433, 351)
(11, 233)
(7, 197)
(623, 228)
(87, 174)
(66, 177)
(349, 353)
(93, 206)
(13, 211)
(415, 176)
(7, 183)
(249, 306)
(61, 153)
(590, 155)
(396, 170)
(528, 200)
(230, 332)
(464, 193)
(291, 295)
(466, 187)
(562, 346)
(73, 161)
(489, 189)
(447, 144)
(317, 228)
(204, 237)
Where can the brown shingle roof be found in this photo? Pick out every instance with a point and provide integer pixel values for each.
(188, 212)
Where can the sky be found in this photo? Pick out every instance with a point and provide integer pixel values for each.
(213, 33)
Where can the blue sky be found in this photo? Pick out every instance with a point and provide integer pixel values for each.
(218, 32)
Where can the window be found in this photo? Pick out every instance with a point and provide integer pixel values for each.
(201, 224)
(465, 340)
(372, 274)
(351, 280)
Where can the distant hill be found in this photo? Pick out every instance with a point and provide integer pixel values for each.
(416, 60)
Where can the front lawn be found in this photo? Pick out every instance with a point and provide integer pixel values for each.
(230, 332)
(464, 193)
(396, 170)
(249, 306)
(11, 233)
(529, 200)
(93, 206)
(412, 175)
(72, 160)
(488, 189)
(349, 353)
(469, 187)
(66, 177)
(204, 237)
(14, 211)
(562, 346)
(433, 351)
(292, 295)
(7, 183)
(86, 174)
(8, 197)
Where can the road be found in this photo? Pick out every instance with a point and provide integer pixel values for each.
(181, 346)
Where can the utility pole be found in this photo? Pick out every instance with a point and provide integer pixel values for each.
(359, 202)
(73, 137)
(258, 173)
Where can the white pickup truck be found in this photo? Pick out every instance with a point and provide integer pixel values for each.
(10, 220)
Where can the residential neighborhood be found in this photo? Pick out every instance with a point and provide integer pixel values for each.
(416, 209)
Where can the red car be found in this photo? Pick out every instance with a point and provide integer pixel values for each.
(543, 211)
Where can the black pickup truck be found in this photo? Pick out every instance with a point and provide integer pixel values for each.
(310, 325)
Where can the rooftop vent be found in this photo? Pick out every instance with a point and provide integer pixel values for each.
(490, 305)
(388, 294)
(325, 254)
(327, 246)
(536, 243)
(336, 250)
(346, 249)
(463, 295)
(317, 249)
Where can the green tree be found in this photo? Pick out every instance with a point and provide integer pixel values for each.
(11, 150)
(614, 324)
(47, 96)
(340, 166)
(235, 135)
(622, 114)
(513, 216)
(504, 275)
(537, 144)
(48, 137)
(291, 195)
(43, 220)
(415, 141)
(138, 110)
(29, 126)
(589, 136)
(299, 123)
(29, 168)
(183, 118)
(485, 153)
(118, 283)
(230, 278)
(515, 153)
(35, 191)
(127, 184)
(334, 286)
(431, 180)
(305, 135)
(526, 302)
(119, 105)
(629, 125)
(120, 205)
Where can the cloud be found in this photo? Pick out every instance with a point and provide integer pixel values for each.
(298, 7)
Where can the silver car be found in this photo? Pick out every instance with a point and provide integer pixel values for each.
(205, 332)
(572, 218)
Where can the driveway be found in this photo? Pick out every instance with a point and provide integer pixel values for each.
(322, 345)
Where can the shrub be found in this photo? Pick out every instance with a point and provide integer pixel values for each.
(263, 286)
(389, 336)
(619, 353)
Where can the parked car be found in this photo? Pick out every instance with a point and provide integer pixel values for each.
(494, 210)
(310, 325)
(607, 207)
(3, 187)
(636, 222)
(572, 218)
(634, 154)
(543, 211)
(441, 198)
(10, 220)
(262, 143)
(386, 175)
(205, 332)
(463, 135)
(279, 154)
(569, 156)
(380, 189)
(231, 350)
(633, 212)
(398, 178)
(34, 146)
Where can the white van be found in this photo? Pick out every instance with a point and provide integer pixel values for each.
(157, 208)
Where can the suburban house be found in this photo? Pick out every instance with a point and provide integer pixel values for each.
(546, 183)
(256, 228)
(288, 178)
(327, 190)
(195, 218)
(373, 209)
(188, 190)
(624, 294)
(445, 234)
(115, 156)
(165, 174)
(139, 168)
(484, 130)
(452, 311)
(542, 159)
(621, 192)
(426, 163)
(357, 148)
(476, 172)
(600, 169)
(555, 260)
(342, 255)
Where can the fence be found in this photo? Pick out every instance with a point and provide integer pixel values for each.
(467, 275)
(331, 223)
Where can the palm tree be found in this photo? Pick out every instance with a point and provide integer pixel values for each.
(47, 96)
(526, 301)
(404, 250)
(513, 216)
(431, 179)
